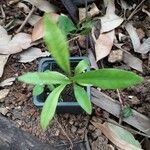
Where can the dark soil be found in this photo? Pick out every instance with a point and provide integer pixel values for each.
(26, 115)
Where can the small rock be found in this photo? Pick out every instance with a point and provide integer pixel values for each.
(134, 100)
(91, 128)
(73, 129)
(3, 94)
(96, 134)
(71, 121)
(115, 56)
(80, 131)
(3, 111)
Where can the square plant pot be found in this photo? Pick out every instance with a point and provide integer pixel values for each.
(68, 105)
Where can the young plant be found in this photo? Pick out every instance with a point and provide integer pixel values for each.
(104, 78)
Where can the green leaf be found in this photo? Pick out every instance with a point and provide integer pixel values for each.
(43, 78)
(86, 27)
(82, 66)
(56, 43)
(37, 90)
(124, 135)
(108, 78)
(49, 107)
(51, 87)
(66, 24)
(83, 98)
(126, 112)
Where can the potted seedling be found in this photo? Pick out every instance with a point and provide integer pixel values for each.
(77, 77)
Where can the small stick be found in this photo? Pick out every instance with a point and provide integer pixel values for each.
(25, 21)
(121, 102)
(8, 24)
(135, 10)
(71, 143)
(3, 13)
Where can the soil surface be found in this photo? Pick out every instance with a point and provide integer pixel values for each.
(77, 128)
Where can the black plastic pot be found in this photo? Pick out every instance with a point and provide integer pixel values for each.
(62, 106)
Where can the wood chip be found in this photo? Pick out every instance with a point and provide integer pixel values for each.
(3, 94)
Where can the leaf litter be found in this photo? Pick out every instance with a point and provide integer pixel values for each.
(105, 29)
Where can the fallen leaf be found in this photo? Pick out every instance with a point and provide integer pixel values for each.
(32, 54)
(145, 47)
(103, 44)
(110, 21)
(3, 60)
(125, 5)
(115, 56)
(7, 82)
(132, 61)
(3, 94)
(92, 60)
(24, 7)
(122, 138)
(4, 37)
(37, 32)
(43, 5)
(34, 19)
(16, 44)
(134, 36)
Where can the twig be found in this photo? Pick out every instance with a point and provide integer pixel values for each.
(135, 10)
(8, 24)
(66, 144)
(86, 140)
(145, 11)
(3, 13)
(71, 143)
(121, 102)
(126, 128)
(25, 21)
(74, 38)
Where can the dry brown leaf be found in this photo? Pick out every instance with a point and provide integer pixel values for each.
(134, 36)
(110, 21)
(37, 32)
(108, 130)
(3, 60)
(7, 82)
(4, 37)
(43, 5)
(103, 44)
(92, 60)
(145, 47)
(24, 7)
(132, 61)
(34, 19)
(19, 41)
(32, 54)
(3, 94)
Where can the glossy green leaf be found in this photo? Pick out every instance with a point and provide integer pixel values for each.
(37, 90)
(66, 24)
(82, 66)
(49, 107)
(51, 87)
(82, 98)
(56, 43)
(108, 78)
(43, 78)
